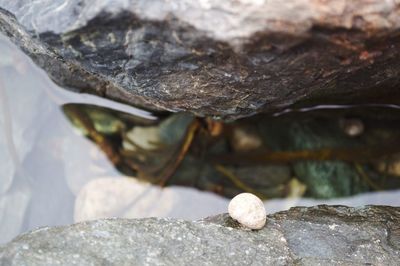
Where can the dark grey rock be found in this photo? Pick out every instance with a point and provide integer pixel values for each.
(224, 59)
(328, 235)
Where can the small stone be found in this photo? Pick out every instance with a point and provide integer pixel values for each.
(352, 127)
(248, 210)
(244, 140)
(296, 189)
(389, 166)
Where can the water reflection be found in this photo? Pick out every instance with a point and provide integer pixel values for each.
(50, 175)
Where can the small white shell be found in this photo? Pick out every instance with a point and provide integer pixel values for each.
(248, 210)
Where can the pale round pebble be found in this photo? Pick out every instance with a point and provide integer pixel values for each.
(352, 127)
(248, 210)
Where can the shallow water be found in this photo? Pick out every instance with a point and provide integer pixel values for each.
(50, 174)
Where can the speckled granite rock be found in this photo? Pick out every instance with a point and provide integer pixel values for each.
(215, 58)
(328, 235)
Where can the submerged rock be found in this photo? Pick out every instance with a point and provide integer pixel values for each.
(328, 235)
(328, 179)
(285, 156)
(224, 59)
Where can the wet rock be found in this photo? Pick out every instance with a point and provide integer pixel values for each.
(327, 179)
(222, 59)
(329, 235)
(270, 151)
(270, 181)
(169, 132)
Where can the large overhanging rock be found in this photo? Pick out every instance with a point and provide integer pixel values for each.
(321, 235)
(215, 58)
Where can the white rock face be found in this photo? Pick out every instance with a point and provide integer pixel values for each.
(248, 210)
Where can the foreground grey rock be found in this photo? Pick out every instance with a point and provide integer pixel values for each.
(328, 235)
(215, 58)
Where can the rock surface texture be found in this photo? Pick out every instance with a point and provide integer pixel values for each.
(322, 235)
(226, 59)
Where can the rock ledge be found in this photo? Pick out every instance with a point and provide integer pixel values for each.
(318, 235)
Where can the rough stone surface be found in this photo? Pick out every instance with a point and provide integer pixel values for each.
(322, 235)
(215, 58)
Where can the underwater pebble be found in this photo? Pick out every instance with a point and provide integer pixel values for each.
(244, 140)
(248, 210)
(389, 166)
(296, 188)
(352, 127)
